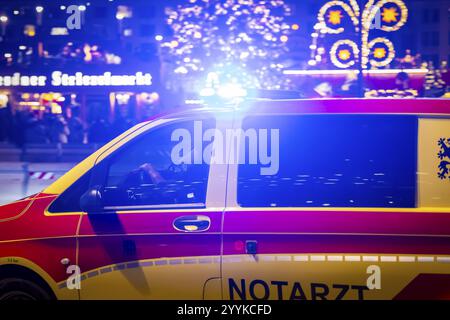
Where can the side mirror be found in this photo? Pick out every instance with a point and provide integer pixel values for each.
(91, 200)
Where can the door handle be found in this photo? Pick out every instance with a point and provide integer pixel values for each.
(192, 223)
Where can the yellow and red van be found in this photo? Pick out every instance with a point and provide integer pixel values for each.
(315, 199)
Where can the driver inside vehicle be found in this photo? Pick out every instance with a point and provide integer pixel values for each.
(157, 181)
(144, 174)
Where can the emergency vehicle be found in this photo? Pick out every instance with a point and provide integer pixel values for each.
(272, 199)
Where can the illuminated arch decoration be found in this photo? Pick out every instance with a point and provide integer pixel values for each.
(343, 53)
(385, 15)
(381, 52)
(334, 8)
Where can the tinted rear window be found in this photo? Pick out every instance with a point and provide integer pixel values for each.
(335, 161)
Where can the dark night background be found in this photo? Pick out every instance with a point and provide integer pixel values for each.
(125, 37)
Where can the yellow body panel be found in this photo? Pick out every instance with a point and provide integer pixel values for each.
(433, 192)
(396, 272)
(171, 278)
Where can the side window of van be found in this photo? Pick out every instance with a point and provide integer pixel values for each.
(145, 172)
(334, 161)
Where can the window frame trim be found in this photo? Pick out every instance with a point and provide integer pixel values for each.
(156, 207)
(102, 164)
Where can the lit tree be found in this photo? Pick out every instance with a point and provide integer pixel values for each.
(240, 41)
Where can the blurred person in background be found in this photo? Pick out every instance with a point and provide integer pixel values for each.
(76, 128)
(5, 122)
(99, 131)
(35, 128)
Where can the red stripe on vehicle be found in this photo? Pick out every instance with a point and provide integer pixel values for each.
(427, 287)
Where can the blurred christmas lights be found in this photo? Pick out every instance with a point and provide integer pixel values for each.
(243, 41)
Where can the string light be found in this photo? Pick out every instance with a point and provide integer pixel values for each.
(349, 9)
(371, 10)
(394, 15)
(338, 61)
(386, 59)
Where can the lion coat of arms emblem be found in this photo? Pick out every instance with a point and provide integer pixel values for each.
(444, 156)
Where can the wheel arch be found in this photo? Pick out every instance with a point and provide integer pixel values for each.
(24, 269)
(24, 273)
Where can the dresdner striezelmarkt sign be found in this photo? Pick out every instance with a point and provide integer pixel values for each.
(77, 79)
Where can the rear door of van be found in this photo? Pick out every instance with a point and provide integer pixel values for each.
(338, 206)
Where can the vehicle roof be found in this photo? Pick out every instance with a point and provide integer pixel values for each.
(430, 106)
(353, 105)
